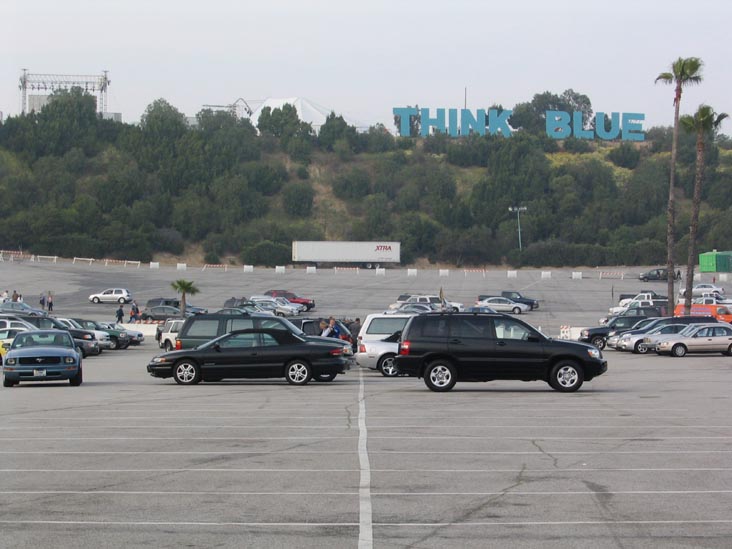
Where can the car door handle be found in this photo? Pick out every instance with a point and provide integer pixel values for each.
(455, 340)
(501, 343)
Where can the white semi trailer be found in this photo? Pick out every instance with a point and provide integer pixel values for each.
(364, 254)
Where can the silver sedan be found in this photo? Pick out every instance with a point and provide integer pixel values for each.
(642, 343)
(702, 338)
(378, 355)
(503, 304)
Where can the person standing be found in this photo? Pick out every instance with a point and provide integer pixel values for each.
(42, 301)
(355, 327)
(49, 302)
(14, 297)
(20, 298)
(120, 314)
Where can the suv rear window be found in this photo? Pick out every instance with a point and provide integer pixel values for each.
(204, 328)
(239, 324)
(386, 326)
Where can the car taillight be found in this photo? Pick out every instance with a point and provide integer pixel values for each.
(87, 336)
(178, 345)
(362, 348)
(404, 348)
(337, 351)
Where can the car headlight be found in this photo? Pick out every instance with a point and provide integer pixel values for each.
(123, 334)
(594, 353)
(69, 360)
(10, 361)
(160, 360)
(624, 338)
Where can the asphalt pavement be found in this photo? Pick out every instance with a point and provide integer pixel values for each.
(639, 457)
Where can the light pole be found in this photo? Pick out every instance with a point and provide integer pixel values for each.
(518, 210)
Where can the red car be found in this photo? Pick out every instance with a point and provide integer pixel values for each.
(294, 298)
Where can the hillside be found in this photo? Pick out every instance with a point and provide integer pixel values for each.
(73, 184)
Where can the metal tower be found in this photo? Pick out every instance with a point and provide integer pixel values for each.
(48, 83)
(238, 108)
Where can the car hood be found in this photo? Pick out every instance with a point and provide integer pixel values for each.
(41, 350)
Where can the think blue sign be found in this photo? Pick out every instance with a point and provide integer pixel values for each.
(627, 126)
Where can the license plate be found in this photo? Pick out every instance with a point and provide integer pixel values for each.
(39, 373)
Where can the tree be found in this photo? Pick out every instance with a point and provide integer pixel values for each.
(684, 72)
(184, 287)
(704, 123)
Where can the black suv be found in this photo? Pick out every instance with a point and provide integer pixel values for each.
(444, 348)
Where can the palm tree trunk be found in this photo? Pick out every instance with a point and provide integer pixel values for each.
(671, 209)
(694, 226)
(183, 304)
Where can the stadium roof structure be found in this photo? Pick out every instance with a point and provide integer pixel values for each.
(307, 111)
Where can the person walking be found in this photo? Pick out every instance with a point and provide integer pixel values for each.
(120, 314)
(134, 312)
(49, 302)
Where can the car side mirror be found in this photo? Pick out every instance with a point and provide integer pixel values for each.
(217, 347)
(533, 337)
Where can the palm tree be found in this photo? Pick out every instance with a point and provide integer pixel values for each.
(184, 287)
(704, 123)
(684, 72)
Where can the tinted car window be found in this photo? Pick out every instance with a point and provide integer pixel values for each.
(272, 323)
(239, 324)
(507, 328)
(239, 341)
(204, 328)
(471, 327)
(432, 326)
(386, 326)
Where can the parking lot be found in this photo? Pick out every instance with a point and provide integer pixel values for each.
(639, 457)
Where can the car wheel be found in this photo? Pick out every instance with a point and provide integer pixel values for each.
(325, 378)
(279, 314)
(516, 311)
(168, 346)
(599, 342)
(728, 352)
(298, 372)
(644, 279)
(566, 376)
(115, 343)
(121, 301)
(640, 348)
(77, 379)
(95, 300)
(440, 376)
(7, 382)
(678, 350)
(186, 372)
(387, 366)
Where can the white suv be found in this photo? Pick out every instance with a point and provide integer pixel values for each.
(112, 295)
(373, 349)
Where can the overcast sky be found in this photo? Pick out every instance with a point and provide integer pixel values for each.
(363, 58)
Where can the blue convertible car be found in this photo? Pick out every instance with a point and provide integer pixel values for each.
(42, 355)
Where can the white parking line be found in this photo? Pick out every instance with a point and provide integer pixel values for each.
(344, 426)
(400, 471)
(383, 452)
(365, 530)
(353, 493)
(376, 524)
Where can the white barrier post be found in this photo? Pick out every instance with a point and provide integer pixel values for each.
(546, 274)
(697, 276)
(444, 272)
(311, 270)
(577, 275)
(154, 265)
(280, 269)
(411, 272)
(248, 268)
(181, 267)
(380, 271)
(723, 277)
(89, 260)
(512, 274)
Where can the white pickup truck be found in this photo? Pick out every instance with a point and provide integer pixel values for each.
(169, 333)
(632, 304)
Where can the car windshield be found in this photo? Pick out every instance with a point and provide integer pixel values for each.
(42, 339)
(74, 324)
